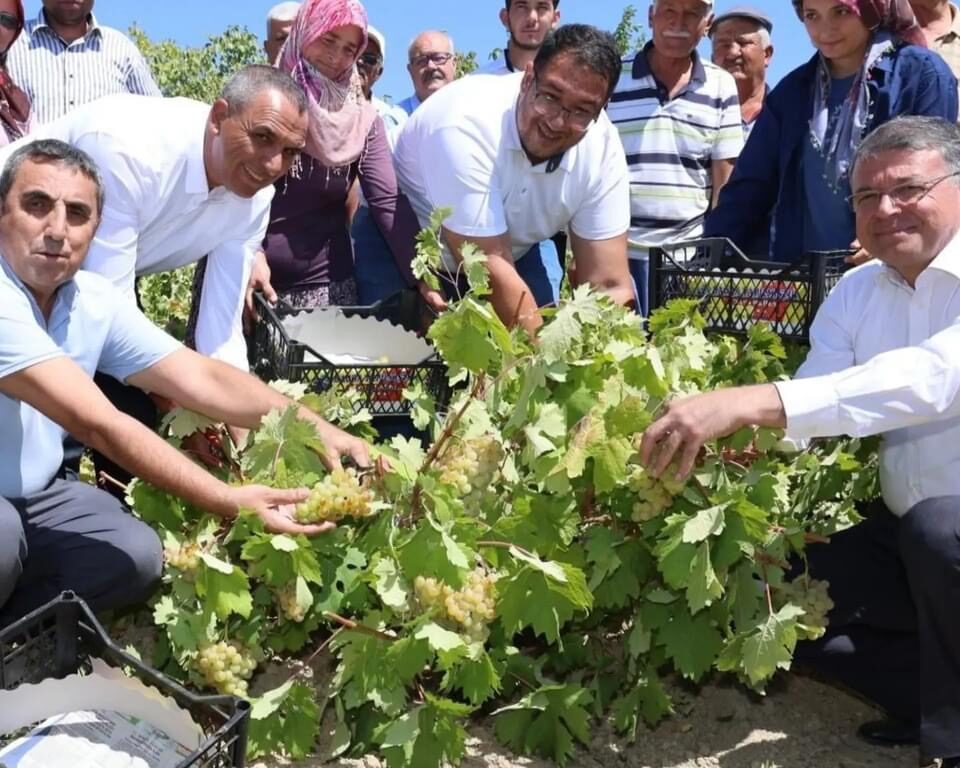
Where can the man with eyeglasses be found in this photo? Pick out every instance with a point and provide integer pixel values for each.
(884, 360)
(679, 120)
(523, 157)
(370, 66)
(432, 64)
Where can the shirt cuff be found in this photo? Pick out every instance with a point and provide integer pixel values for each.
(812, 407)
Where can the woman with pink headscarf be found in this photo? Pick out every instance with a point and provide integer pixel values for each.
(871, 65)
(308, 244)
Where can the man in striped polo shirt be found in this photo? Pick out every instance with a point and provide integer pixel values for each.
(65, 59)
(679, 121)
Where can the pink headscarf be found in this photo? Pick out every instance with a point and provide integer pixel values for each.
(895, 16)
(340, 115)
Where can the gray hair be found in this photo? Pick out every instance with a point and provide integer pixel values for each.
(252, 80)
(51, 151)
(413, 43)
(914, 134)
(282, 12)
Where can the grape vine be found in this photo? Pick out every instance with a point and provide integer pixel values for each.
(503, 563)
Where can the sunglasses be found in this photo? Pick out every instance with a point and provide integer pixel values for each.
(370, 60)
(9, 21)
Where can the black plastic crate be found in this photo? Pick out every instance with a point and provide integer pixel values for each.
(60, 638)
(274, 355)
(735, 292)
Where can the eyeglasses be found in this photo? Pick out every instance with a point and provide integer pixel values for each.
(901, 195)
(9, 21)
(431, 58)
(547, 105)
(369, 60)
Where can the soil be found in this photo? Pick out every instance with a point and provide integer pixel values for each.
(801, 723)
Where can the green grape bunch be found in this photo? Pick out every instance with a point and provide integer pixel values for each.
(340, 494)
(812, 596)
(226, 667)
(470, 609)
(183, 557)
(470, 465)
(654, 495)
(287, 602)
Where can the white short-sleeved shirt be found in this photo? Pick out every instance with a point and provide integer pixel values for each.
(90, 323)
(461, 149)
(159, 211)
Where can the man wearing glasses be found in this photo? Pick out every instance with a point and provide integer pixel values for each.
(370, 67)
(679, 119)
(432, 64)
(884, 359)
(522, 157)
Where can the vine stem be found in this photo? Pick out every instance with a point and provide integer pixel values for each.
(506, 545)
(106, 478)
(766, 587)
(353, 626)
(324, 645)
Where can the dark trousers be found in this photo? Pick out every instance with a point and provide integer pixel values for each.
(126, 399)
(73, 536)
(894, 633)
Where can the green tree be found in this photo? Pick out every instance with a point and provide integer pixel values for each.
(629, 32)
(466, 63)
(196, 73)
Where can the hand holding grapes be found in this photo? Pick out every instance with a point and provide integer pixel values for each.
(687, 423)
(276, 508)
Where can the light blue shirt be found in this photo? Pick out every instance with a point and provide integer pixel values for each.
(410, 104)
(94, 325)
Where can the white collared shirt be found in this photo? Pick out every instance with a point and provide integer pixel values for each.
(461, 149)
(885, 358)
(160, 213)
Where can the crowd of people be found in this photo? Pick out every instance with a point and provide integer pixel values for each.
(560, 160)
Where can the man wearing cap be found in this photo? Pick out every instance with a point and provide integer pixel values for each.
(742, 46)
(940, 22)
(680, 124)
(370, 67)
(279, 21)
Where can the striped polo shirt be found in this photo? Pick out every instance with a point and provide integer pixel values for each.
(58, 76)
(670, 145)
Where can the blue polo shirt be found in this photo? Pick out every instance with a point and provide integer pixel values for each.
(93, 324)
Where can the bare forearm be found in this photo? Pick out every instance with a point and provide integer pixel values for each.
(145, 455)
(761, 407)
(511, 296)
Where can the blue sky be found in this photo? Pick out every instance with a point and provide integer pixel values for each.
(473, 24)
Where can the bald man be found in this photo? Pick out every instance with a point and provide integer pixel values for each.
(432, 64)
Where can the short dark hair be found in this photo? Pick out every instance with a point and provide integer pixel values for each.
(591, 47)
(508, 3)
(914, 134)
(252, 80)
(51, 151)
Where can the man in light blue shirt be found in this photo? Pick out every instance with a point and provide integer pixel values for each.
(57, 327)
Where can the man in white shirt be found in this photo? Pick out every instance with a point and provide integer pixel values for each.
(57, 326)
(184, 180)
(521, 158)
(884, 359)
(528, 22)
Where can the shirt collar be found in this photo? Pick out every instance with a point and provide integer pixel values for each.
(641, 66)
(196, 176)
(41, 23)
(947, 261)
(511, 138)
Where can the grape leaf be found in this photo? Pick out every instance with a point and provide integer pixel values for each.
(224, 587)
(704, 586)
(645, 699)
(546, 722)
(692, 642)
(182, 422)
(285, 721)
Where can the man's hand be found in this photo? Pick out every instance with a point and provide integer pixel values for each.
(259, 281)
(338, 443)
(690, 422)
(434, 299)
(276, 507)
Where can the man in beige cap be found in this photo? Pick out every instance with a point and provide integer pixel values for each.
(742, 46)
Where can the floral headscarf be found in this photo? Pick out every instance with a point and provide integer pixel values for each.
(892, 22)
(340, 116)
(14, 103)
(895, 16)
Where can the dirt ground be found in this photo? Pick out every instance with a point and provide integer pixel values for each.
(801, 723)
